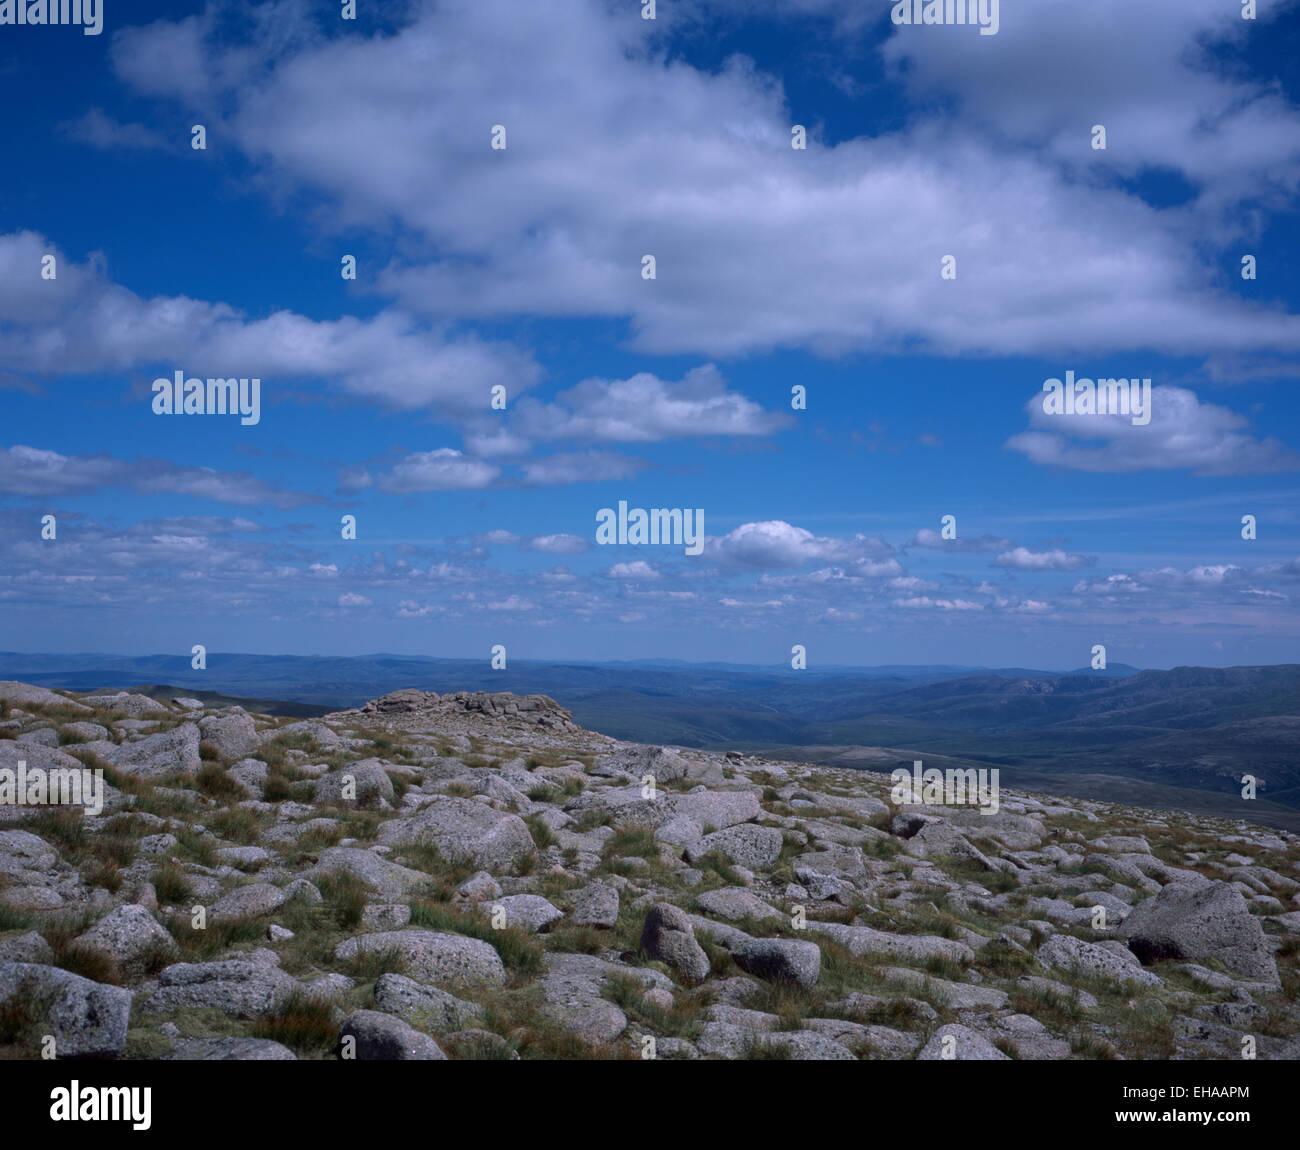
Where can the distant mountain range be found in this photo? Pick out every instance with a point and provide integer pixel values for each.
(344, 680)
(1165, 733)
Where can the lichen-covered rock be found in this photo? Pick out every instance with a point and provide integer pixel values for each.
(431, 956)
(86, 1019)
(1199, 923)
(464, 831)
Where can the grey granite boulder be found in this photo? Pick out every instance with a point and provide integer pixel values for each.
(1212, 921)
(668, 937)
(465, 831)
(86, 1019)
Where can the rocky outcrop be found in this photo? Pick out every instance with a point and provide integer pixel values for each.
(528, 710)
(471, 875)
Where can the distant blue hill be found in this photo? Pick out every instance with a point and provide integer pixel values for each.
(1188, 727)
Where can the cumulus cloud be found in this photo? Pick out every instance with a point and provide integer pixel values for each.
(757, 245)
(1203, 577)
(1184, 434)
(644, 409)
(1022, 559)
(83, 322)
(639, 569)
(1166, 104)
(561, 544)
(775, 544)
(444, 469)
(929, 539)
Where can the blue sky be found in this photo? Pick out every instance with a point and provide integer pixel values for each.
(775, 267)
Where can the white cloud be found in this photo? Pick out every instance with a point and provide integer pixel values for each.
(1144, 70)
(933, 540)
(510, 603)
(409, 609)
(639, 569)
(775, 544)
(580, 467)
(100, 130)
(758, 245)
(83, 322)
(1022, 559)
(444, 469)
(556, 544)
(1184, 433)
(40, 472)
(645, 409)
(924, 602)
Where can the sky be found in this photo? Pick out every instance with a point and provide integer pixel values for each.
(841, 345)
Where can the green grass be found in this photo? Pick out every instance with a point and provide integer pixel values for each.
(277, 788)
(346, 897)
(541, 833)
(684, 1020)
(370, 962)
(195, 848)
(633, 842)
(213, 781)
(592, 818)
(216, 938)
(304, 1024)
(235, 825)
(102, 873)
(76, 958)
(170, 885)
(717, 863)
(520, 951)
(12, 918)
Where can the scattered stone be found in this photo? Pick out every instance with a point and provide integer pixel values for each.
(232, 734)
(668, 937)
(29, 947)
(86, 1019)
(238, 988)
(594, 905)
(736, 905)
(424, 1007)
(132, 939)
(959, 1044)
(231, 1050)
(464, 831)
(1094, 960)
(386, 916)
(780, 960)
(1210, 922)
(529, 912)
(250, 901)
(431, 956)
(370, 1034)
(362, 784)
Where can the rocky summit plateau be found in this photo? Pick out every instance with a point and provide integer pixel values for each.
(473, 875)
